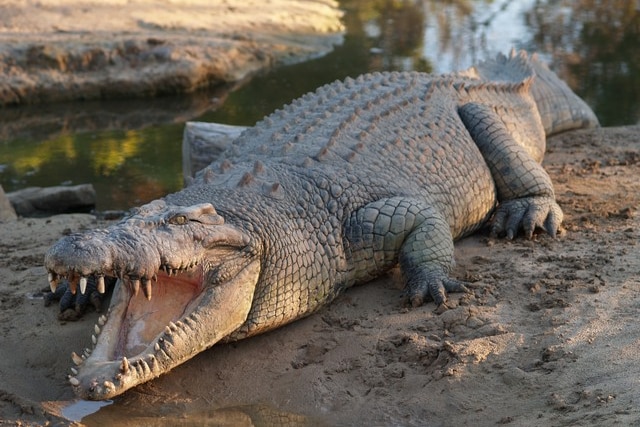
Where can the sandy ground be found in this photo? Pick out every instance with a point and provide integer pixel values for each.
(548, 337)
(57, 50)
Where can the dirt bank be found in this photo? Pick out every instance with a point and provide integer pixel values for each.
(86, 49)
(549, 336)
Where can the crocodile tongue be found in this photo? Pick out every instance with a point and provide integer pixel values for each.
(144, 319)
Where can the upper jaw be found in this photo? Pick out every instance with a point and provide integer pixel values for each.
(159, 237)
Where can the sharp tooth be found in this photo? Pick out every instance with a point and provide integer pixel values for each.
(102, 320)
(96, 328)
(152, 362)
(74, 381)
(76, 359)
(73, 283)
(83, 285)
(94, 340)
(86, 352)
(100, 284)
(74, 371)
(146, 288)
(156, 347)
(135, 285)
(124, 366)
(53, 282)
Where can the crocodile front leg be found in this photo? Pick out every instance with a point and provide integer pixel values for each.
(525, 191)
(411, 233)
(74, 302)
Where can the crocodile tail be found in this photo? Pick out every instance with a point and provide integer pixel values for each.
(560, 109)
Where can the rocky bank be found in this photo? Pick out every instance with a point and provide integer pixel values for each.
(62, 50)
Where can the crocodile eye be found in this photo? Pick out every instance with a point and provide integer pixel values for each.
(179, 219)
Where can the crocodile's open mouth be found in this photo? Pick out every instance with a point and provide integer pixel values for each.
(139, 325)
(136, 321)
(145, 334)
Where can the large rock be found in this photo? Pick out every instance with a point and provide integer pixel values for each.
(203, 142)
(39, 201)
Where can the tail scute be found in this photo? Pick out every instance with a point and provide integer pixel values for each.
(560, 109)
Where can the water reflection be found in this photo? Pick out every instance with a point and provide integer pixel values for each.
(130, 150)
(595, 46)
(77, 410)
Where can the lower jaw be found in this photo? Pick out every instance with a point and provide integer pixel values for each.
(212, 315)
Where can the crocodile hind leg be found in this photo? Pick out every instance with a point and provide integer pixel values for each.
(408, 232)
(525, 191)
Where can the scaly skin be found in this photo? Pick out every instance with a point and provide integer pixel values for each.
(333, 190)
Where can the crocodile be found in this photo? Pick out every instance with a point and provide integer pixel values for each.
(331, 191)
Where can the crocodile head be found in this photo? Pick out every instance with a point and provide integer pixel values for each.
(197, 275)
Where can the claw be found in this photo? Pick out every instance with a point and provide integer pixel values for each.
(417, 301)
(527, 214)
(434, 286)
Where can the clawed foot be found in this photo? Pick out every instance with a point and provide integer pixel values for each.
(73, 306)
(527, 214)
(433, 285)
